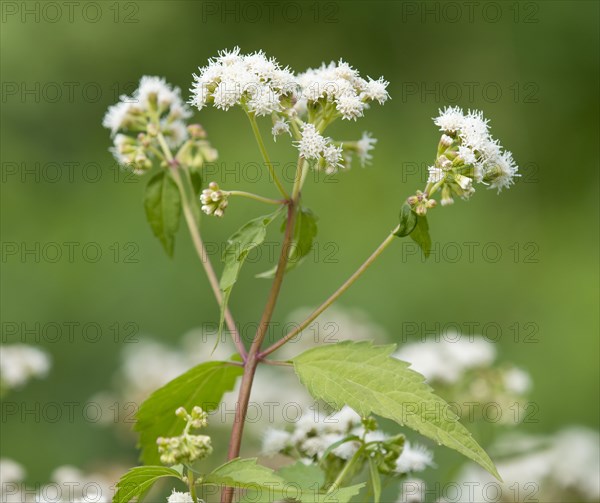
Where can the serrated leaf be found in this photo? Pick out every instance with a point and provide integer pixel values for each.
(368, 379)
(408, 221)
(137, 481)
(263, 485)
(305, 476)
(239, 244)
(305, 232)
(420, 235)
(203, 385)
(162, 203)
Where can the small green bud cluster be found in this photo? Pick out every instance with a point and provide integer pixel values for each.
(186, 448)
(420, 203)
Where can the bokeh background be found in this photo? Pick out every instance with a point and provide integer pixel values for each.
(531, 66)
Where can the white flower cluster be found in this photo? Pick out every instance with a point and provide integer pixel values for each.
(561, 467)
(468, 154)
(465, 371)
(154, 107)
(253, 80)
(313, 146)
(314, 433)
(214, 200)
(448, 359)
(20, 362)
(177, 497)
(341, 85)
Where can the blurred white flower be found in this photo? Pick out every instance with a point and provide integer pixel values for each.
(447, 359)
(559, 467)
(414, 458)
(364, 147)
(20, 362)
(517, 381)
(10, 472)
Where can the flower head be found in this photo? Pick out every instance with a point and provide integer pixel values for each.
(414, 458)
(467, 153)
(177, 497)
(214, 200)
(341, 85)
(253, 81)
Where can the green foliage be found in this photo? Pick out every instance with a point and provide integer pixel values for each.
(137, 481)
(203, 385)
(416, 227)
(408, 221)
(304, 476)
(420, 235)
(375, 480)
(370, 380)
(263, 485)
(239, 244)
(162, 203)
(305, 232)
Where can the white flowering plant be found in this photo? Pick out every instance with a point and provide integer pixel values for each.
(338, 455)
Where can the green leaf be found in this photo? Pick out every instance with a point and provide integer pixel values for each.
(420, 235)
(264, 485)
(162, 202)
(196, 179)
(370, 380)
(408, 221)
(305, 476)
(204, 385)
(137, 481)
(375, 480)
(261, 483)
(305, 232)
(239, 244)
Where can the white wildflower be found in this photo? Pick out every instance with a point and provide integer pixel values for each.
(350, 106)
(447, 360)
(156, 90)
(10, 471)
(20, 362)
(450, 120)
(275, 441)
(436, 174)
(251, 80)
(517, 381)
(414, 459)
(280, 127)
(343, 420)
(341, 84)
(312, 143)
(177, 497)
(121, 115)
(364, 147)
(214, 200)
(491, 164)
(333, 157)
(376, 90)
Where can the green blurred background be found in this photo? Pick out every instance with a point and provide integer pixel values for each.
(532, 67)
